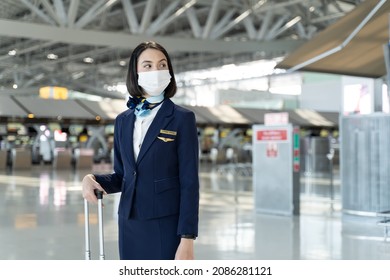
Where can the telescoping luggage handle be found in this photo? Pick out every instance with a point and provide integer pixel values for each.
(99, 195)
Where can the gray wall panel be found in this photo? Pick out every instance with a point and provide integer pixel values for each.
(365, 164)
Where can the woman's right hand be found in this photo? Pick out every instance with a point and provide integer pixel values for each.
(89, 185)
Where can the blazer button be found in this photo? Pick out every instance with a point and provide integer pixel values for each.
(134, 173)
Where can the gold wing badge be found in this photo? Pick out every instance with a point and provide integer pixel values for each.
(165, 139)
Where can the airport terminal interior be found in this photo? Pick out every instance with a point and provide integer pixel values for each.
(293, 124)
(42, 217)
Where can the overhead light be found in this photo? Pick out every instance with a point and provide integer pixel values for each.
(14, 86)
(185, 7)
(293, 21)
(12, 52)
(78, 75)
(39, 77)
(122, 63)
(52, 56)
(88, 60)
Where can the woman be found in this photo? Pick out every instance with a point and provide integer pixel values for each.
(155, 164)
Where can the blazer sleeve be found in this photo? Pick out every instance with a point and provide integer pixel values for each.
(188, 154)
(112, 183)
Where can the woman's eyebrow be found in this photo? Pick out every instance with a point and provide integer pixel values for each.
(149, 61)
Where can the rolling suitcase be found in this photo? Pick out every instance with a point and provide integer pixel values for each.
(99, 195)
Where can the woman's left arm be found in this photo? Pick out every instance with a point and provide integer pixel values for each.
(188, 155)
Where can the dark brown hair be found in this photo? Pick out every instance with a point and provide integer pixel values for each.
(132, 76)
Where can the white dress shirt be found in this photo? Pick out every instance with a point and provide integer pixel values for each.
(141, 126)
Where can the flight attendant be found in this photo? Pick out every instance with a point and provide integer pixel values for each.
(156, 154)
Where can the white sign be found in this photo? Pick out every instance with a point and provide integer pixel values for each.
(276, 118)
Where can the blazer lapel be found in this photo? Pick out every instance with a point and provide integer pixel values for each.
(161, 120)
(127, 137)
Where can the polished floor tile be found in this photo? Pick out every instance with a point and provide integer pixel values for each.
(42, 217)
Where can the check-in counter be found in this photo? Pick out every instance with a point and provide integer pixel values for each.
(62, 159)
(84, 158)
(21, 158)
(3, 159)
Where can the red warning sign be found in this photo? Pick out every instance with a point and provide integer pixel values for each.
(272, 135)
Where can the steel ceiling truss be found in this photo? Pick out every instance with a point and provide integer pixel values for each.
(197, 33)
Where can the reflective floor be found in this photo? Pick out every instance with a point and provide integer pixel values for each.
(42, 217)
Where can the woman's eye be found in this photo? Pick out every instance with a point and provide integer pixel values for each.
(163, 65)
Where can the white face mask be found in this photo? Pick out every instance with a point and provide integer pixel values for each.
(154, 82)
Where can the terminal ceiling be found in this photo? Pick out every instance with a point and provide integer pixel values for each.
(362, 56)
(49, 42)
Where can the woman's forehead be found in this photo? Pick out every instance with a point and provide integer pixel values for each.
(151, 55)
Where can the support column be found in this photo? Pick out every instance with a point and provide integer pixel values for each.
(377, 96)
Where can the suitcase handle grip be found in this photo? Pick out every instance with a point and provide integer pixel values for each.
(99, 194)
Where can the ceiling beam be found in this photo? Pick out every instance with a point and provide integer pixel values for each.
(211, 18)
(221, 23)
(72, 12)
(265, 25)
(94, 12)
(38, 12)
(159, 23)
(48, 7)
(60, 11)
(194, 22)
(32, 48)
(147, 15)
(241, 17)
(131, 16)
(19, 29)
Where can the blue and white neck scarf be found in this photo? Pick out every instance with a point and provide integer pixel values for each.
(142, 106)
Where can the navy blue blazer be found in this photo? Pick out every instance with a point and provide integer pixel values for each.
(164, 180)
